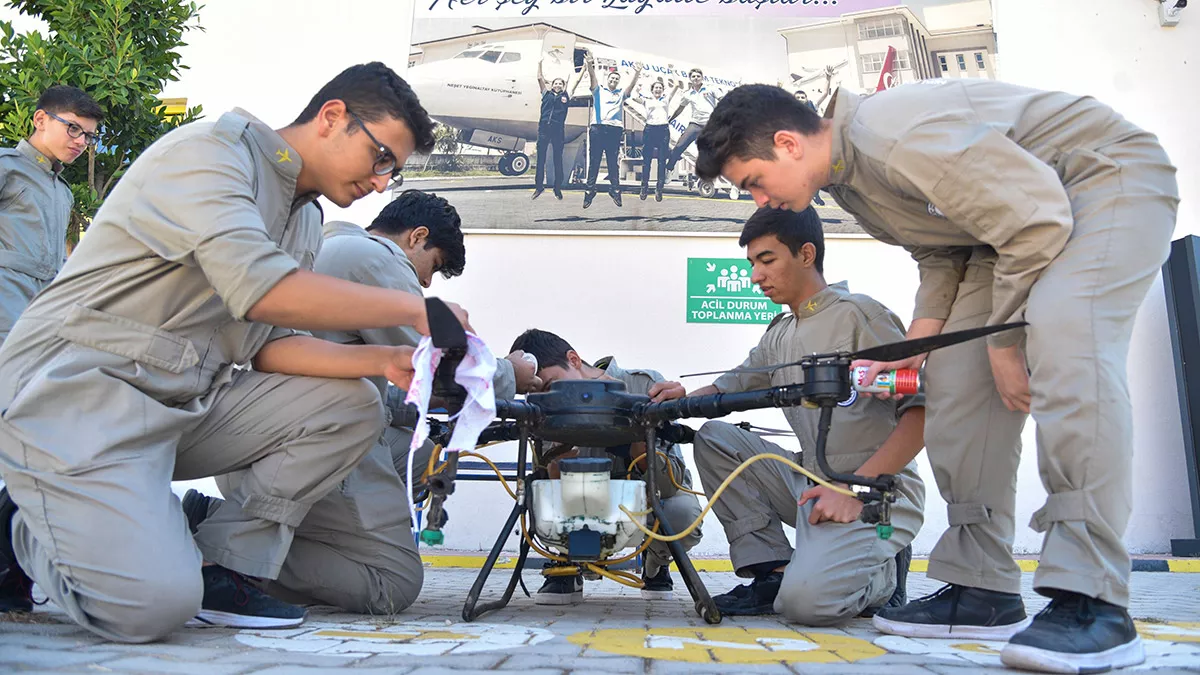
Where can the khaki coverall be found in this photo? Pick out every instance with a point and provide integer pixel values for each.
(360, 554)
(121, 376)
(1019, 204)
(680, 508)
(837, 569)
(35, 208)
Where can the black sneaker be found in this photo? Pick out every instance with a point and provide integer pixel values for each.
(196, 507)
(755, 598)
(956, 612)
(560, 589)
(616, 197)
(658, 194)
(537, 193)
(1076, 634)
(16, 588)
(558, 194)
(900, 595)
(232, 599)
(658, 587)
(644, 193)
(587, 198)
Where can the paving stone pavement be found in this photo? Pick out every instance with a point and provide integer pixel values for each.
(612, 631)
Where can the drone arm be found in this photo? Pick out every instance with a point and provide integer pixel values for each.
(720, 405)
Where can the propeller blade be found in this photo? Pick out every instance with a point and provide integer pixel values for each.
(895, 351)
(755, 369)
(444, 328)
(898, 351)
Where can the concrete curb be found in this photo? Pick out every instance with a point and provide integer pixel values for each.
(508, 561)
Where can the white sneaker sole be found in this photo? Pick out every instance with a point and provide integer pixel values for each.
(931, 630)
(208, 617)
(657, 595)
(1031, 658)
(558, 598)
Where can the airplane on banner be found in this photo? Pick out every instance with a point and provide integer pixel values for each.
(490, 94)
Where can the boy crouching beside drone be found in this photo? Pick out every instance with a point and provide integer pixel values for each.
(839, 568)
(557, 360)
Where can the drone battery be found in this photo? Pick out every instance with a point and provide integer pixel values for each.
(585, 486)
(906, 382)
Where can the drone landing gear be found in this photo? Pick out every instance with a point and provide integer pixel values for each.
(472, 610)
(705, 607)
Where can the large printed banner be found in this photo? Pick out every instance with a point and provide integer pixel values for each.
(444, 9)
(583, 115)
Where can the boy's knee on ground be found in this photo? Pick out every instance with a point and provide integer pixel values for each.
(159, 602)
(386, 592)
(816, 599)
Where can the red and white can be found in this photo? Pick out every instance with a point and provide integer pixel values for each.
(906, 382)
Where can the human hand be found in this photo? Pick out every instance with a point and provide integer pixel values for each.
(524, 372)
(1011, 375)
(666, 391)
(830, 505)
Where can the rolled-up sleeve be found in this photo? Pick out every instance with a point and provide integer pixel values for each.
(995, 190)
(202, 212)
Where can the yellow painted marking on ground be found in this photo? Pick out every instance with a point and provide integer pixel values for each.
(1171, 631)
(393, 637)
(1183, 565)
(975, 647)
(728, 645)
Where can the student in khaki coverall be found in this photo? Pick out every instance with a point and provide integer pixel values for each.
(557, 360)
(840, 568)
(204, 246)
(35, 200)
(1016, 204)
(361, 555)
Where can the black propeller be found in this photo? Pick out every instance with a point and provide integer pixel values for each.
(894, 351)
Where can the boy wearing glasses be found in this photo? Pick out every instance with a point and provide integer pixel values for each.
(198, 265)
(361, 555)
(35, 200)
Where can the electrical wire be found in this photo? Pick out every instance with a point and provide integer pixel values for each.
(724, 484)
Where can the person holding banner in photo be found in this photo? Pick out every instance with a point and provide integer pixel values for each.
(656, 137)
(551, 129)
(608, 123)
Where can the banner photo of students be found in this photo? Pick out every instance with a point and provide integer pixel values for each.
(582, 116)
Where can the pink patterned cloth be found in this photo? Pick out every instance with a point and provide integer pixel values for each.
(475, 375)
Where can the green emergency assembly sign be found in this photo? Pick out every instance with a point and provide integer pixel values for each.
(719, 291)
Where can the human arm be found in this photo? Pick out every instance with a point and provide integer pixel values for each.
(541, 79)
(902, 445)
(637, 72)
(313, 357)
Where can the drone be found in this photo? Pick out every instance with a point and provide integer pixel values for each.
(589, 517)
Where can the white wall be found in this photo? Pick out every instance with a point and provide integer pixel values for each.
(1116, 51)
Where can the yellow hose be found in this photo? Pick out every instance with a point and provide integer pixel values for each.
(724, 484)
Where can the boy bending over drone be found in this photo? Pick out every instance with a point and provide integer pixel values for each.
(839, 568)
(557, 360)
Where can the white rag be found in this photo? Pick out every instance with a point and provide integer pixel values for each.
(475, 375)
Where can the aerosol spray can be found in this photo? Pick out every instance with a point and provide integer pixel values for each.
(906, 382)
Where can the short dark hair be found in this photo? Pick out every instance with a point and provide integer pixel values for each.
(801, 91)
(374, 91)
(793, 229)
(695, 70)
(550, 349)
(743, 126)
(61, 99)
(414, 208)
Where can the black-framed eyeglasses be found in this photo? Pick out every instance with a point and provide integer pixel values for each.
(385, 159)
(74, 130)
